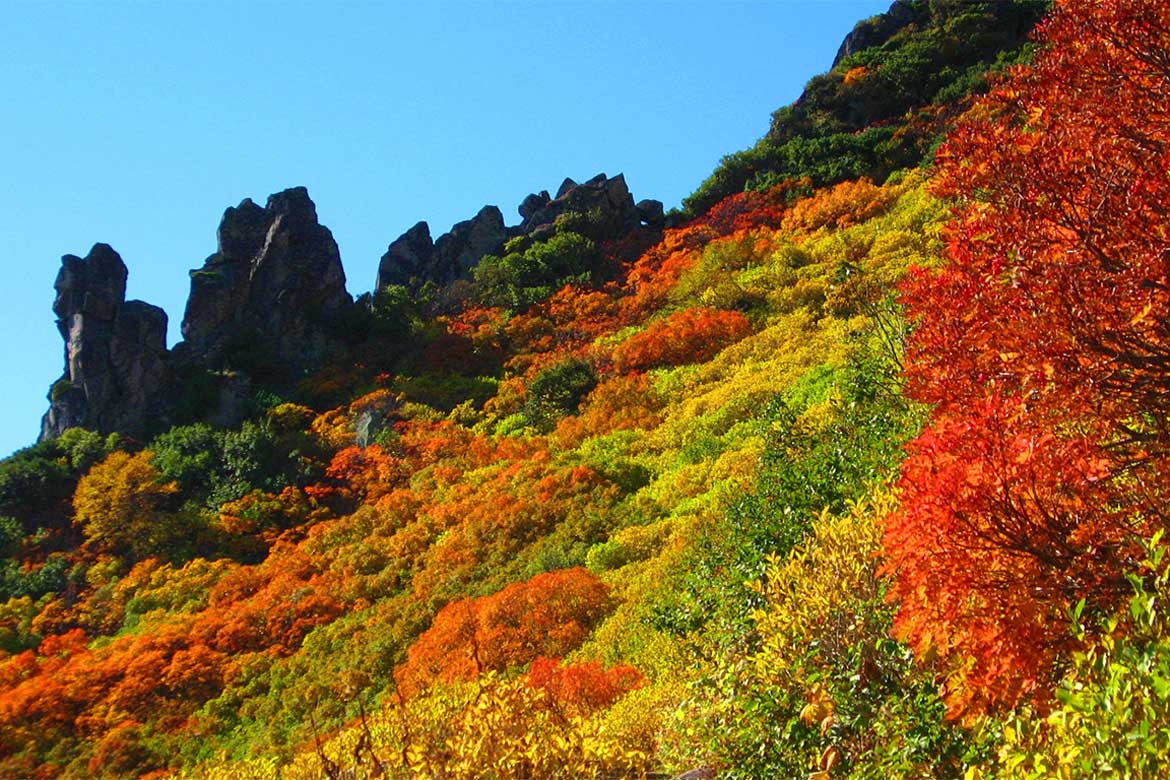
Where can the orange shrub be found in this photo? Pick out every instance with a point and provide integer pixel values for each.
(551, 614)
(689, 336)
(583, 688)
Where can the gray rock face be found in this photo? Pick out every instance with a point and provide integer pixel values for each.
(408, 259)
(374, 420)
(115, 350)
(275, 284)
(566, 185)
(457, 252)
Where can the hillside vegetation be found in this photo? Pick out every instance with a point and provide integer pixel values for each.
(839, 478)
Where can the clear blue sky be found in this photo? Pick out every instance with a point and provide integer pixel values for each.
(137, 123)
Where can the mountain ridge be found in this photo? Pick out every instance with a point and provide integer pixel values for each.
(275, 285)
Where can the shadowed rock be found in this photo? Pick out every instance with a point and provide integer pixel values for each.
(413, 259)
(273, 291)
(610, 197)
(457, 252)
(408, 259)
(651, 212)
(115, 350)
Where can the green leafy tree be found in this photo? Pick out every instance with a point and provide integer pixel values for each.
(190, 454)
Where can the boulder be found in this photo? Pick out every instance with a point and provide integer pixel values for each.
(375, 419)
(702, 773)
(533, 203)
(651, 212)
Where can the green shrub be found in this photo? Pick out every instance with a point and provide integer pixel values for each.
(519, 279)
(558, 390)
(872, 113)
(60, 389)
(1113, 713)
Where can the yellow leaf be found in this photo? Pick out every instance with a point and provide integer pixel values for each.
(830, 758)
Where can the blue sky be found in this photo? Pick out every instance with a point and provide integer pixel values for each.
(137, 124)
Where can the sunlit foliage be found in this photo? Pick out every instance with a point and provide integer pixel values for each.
(1042, 346)
(639, 501)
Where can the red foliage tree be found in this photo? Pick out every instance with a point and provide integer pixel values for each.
(1044, 345)
(370, 472)
(751, 209)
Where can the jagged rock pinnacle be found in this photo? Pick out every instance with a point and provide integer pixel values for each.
(275, 284)
(115, 350)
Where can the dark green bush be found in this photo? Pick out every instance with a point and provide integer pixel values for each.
(558, 390)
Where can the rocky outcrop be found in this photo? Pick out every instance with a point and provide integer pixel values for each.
(269, 306)
(533, 204)
(115, 350)
(408, 259)
(275, 285)
(457, 252)
(611, 197)
(413, 259)
(876, 30)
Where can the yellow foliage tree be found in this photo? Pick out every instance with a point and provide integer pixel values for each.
(122, 504)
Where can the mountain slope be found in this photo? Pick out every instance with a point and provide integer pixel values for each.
(899, 80)
(635, 496)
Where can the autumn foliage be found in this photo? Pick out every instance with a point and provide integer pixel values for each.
(689, 336)
(549, 615)
(123, 502)
(1043, 345)
(583, 688)
(663, 516)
